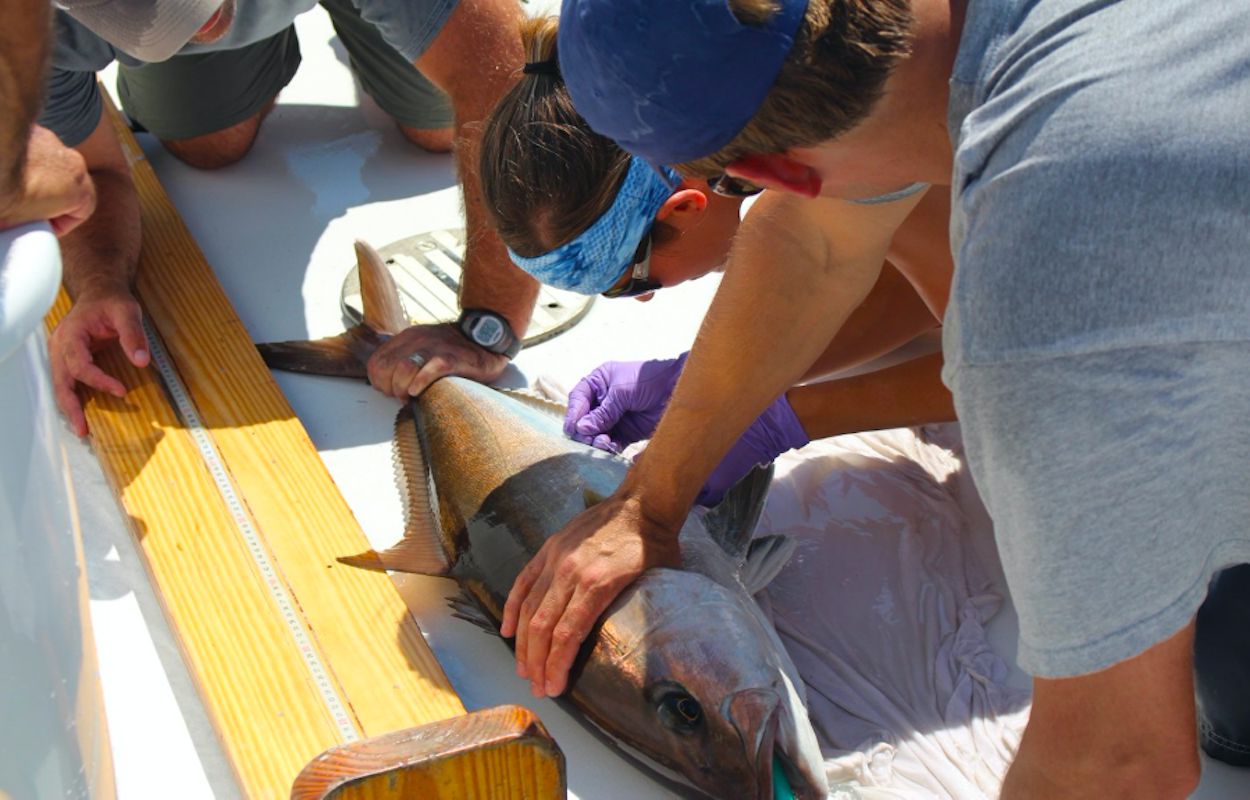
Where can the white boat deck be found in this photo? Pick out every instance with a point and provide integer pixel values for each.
(278, 229)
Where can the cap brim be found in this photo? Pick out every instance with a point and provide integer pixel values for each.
(150, 31)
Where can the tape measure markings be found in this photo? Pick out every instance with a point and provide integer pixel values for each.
(251, 538)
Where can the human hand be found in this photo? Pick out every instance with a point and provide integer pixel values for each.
(772, 433)
(561, 593)
(620, 402)
(407, 363)
(92, 323)
(55, 186)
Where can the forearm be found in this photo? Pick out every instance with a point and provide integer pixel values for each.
(911, 393)
(102, 254)
(23, 62)
(475, 58)
(490, 279)
(785, 294)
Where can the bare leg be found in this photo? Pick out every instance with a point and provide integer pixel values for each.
(435, 140)
(1128, 731)
(220, 148)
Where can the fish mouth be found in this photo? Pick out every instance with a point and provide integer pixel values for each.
(757, 715)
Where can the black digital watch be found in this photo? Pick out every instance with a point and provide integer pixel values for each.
(489, 330)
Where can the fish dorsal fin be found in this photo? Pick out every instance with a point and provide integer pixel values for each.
(765, 558)
(421, 549)
(342, 356)
(549, 407)
(731, 523)
(379, 296)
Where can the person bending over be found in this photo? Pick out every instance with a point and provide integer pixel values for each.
(579, 213)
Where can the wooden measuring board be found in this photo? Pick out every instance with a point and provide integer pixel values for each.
(292, 652)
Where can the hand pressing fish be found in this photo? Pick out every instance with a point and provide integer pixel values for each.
(683, 670)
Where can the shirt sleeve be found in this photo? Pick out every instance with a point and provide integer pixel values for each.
(72, 106)
(407, 25)
(72, 103)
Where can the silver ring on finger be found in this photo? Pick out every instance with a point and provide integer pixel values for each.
(417, 359)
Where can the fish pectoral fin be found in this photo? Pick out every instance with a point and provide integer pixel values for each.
(765, 558)
(731, 523)
(591, 498)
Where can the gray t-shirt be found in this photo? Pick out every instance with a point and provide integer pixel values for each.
(1096, 336)
(1101, 181)
(72, 105)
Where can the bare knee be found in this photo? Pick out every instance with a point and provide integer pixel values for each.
(219, 148)
(434, 140)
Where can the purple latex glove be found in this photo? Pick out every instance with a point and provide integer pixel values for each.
(620, 402)
(773, 432)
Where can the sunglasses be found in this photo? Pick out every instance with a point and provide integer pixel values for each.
(639, 282)
(729, 186)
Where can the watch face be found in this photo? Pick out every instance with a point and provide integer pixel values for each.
(487, 331)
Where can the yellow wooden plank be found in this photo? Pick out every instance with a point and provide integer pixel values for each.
(255, 686)
(303, 517)
(498, 752)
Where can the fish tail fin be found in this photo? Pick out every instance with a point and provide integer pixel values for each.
(345, 355)
(379, 295)
(342, 356)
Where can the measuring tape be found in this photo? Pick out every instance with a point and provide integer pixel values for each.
(286, 608)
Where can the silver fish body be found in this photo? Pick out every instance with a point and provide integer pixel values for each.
(683, 668)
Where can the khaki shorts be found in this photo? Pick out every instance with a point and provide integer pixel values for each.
(194, 95)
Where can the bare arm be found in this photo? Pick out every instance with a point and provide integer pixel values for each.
(910, 393)
(39, 177)
(475, 58)
(797, 271)
(100, 259)
(23, 61)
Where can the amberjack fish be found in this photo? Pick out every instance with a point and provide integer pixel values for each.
(683, 671)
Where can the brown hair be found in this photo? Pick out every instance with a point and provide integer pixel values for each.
(546, 176)
(843, 52)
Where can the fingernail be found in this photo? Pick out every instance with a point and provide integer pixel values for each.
(534, 690)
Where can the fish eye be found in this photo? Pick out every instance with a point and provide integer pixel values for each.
(680, 711)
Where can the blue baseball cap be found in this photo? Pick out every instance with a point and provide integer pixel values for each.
(670, 80)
